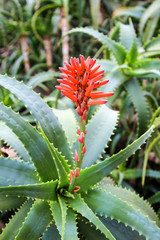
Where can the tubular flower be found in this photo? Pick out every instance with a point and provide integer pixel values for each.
(79, 81)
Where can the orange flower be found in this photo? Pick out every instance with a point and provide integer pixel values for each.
(79, 81)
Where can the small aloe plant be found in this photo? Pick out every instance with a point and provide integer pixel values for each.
(58, 196)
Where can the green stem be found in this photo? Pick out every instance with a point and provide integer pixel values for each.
(80, 155)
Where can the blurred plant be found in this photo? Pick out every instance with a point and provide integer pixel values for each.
(37, 182)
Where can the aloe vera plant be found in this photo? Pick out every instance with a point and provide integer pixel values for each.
(41, 184)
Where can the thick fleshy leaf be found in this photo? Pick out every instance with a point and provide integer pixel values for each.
(68, 122)
(43, 191)
(8, 203)
(36, 222)
(96, 173)
(132, 199)
(155, 198)
(100, 127)
(42, 77)
(137, 173)
(135, 12)
(116, 49)
(110, 205)
(15, 172)
(126, 36)
(141, 73)
(51, 233)
(118, 229)
(137, 96)
(150, 12)
(63, 208)
(41, 112)
(70, 226)
(60, 163)
(12, 140)
(57, 215)
(81, 207)
(12, 228)
(33, 142)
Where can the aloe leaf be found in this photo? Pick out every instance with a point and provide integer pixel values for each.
(36, 222)
(70, 226)
(42, 77)
(96, 173)
(43, 190)
(60, 163)
(8, 203)
(147, 151)
(141, 73)
(57, 215)
(33, 142)
(148, 64)
(51, 233)
(116, 49)
(135, 12)
(81, 207)
(16, 65)
(133, 51)
(126, 36)
(138, 99)
(41, 112)
(63, 208)
(95, 12)
(17, 172)
(101, 127)
(88, 230)
(137, 173)
(155, 198)
(12, 140)
(105, 65)
(110, 205)
(118, 229)
(12, 228)
(151, 10)
(69, 123)
(132, 199)
(153, 44)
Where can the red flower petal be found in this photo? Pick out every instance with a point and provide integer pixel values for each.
(69, 95)
(97, 102)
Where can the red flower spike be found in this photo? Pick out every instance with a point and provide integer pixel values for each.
(84, 149)
(89, 89)
(100, 83)
(85, 78)
(79, 79)
(81, 138)
(97, 102)
(70, 77)
(69, 95)
(72, 63)
(100, 95)
(98, 77)
(78, 68)
(83, 65)
(76, 156)
(85, 131)
(95, 69)
(84, 117)
(76, 173)
(78, 131)
(64, 70)
(93, 75)
(71, 176)
(69, 67)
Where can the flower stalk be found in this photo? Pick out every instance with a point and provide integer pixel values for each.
(79, 82)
